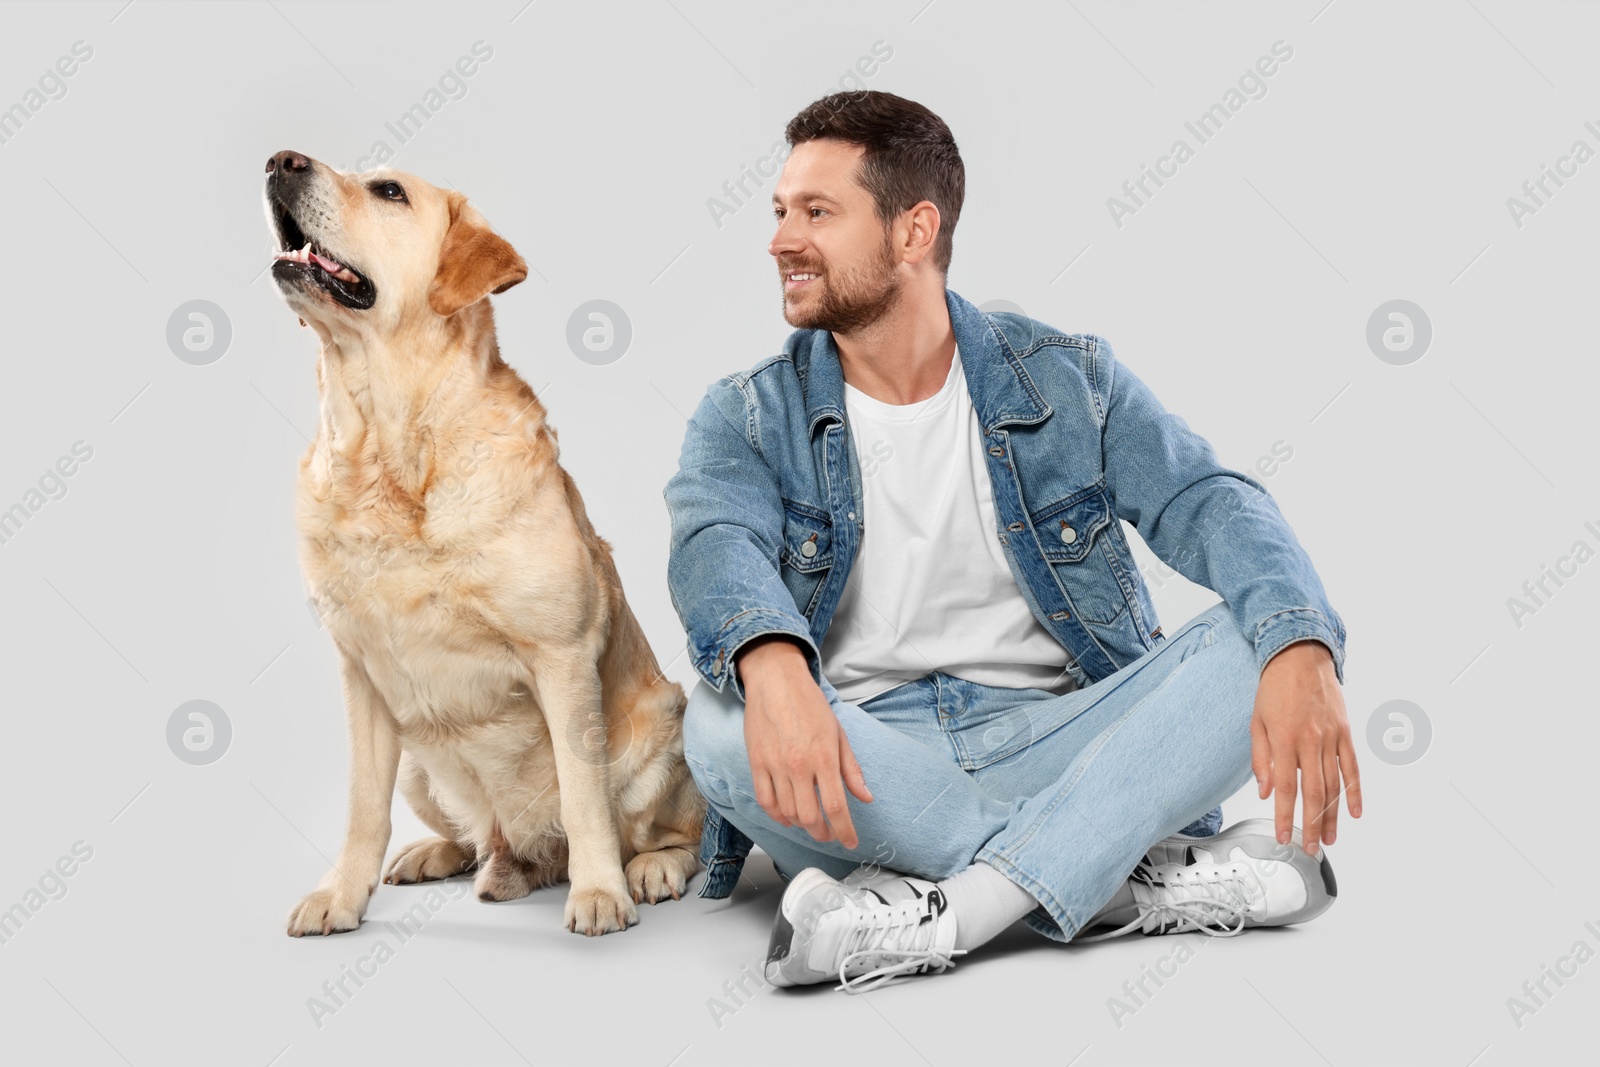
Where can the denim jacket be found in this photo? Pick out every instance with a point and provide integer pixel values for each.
(767, 515)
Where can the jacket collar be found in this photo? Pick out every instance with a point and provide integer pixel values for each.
(1002, 392)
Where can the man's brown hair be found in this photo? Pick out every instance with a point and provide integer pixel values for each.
(910, 155)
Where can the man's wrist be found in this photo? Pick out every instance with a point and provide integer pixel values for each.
(771, 658)
(1306, 652)
(1283, 629)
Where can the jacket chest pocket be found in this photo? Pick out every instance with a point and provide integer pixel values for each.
(1073, 534)
(806, 554)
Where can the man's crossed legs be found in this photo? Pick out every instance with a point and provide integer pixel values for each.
(1063, 795)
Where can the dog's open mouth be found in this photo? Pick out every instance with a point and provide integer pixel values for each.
(304, 259)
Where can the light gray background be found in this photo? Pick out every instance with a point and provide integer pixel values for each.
(1377, 167)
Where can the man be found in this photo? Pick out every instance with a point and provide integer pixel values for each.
(935, 688)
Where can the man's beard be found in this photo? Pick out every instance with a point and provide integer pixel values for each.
(851, 299)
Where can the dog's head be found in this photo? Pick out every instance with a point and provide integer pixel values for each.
(379, 243)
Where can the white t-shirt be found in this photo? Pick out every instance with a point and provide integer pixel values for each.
(930, 589)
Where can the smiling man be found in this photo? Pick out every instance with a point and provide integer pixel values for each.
(935, 688)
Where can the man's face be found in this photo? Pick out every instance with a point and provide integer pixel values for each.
(836, 260)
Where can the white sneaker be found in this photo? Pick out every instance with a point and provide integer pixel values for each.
(872, 876)
(1220, 885)
(865, 936)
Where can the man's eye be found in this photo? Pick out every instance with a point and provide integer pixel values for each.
(817, 209)
(390, 191)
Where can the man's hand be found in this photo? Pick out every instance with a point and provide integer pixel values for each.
(797, 747)
(1300, 725)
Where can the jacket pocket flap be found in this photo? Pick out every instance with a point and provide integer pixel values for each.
(1067, 529)
(807, 538)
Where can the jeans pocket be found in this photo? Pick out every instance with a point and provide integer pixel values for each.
(1015, 731)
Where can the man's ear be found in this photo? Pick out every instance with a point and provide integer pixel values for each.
(474, 261)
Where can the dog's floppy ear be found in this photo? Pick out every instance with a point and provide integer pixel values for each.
(474, 261)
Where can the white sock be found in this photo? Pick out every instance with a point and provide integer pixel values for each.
(985, 902)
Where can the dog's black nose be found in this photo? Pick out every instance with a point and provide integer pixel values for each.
(287, 162)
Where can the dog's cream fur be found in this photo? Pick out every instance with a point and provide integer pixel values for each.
(487, 651)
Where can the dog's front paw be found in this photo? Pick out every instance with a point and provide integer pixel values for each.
(655, 876)
(596, 910)
(428, 859)
(328, 911)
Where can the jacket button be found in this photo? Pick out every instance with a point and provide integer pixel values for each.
(1068, 534)
(809, 548)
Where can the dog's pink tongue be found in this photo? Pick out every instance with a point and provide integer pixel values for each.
(329, 265)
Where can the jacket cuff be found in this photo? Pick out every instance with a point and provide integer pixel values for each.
(1283, 628)
(715, 661)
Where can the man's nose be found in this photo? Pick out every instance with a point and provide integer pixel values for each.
(287, 164)
(784, 240)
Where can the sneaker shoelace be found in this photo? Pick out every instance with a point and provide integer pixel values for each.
(1217, 905)
(876, 963)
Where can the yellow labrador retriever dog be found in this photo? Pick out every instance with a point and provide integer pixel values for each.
(490, 663)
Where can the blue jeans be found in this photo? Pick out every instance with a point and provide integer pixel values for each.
(1063, 794)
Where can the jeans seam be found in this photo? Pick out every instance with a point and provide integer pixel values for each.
(963, 757)
(713, 776)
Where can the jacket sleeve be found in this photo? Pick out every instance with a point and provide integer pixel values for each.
(1219, 528)
(727, 528)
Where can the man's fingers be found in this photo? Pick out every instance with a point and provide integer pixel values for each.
(766, 796)
(1312, 795)
(1352, 775)
(1260, 756)
(784, 810)
(808, 813)
(1283, 784)
(1330, 781)
(836, 810)
(854, 780)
